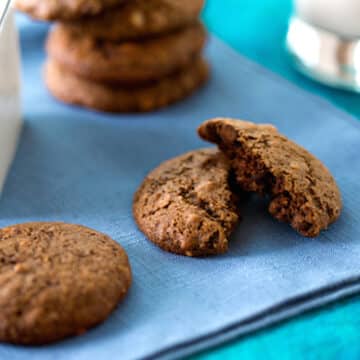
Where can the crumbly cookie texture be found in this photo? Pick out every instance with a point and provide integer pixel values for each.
(140, 19)
(57, 280)
(64, 9)
(186, 206)
(72, 89)
(302, 190)
(128, 63)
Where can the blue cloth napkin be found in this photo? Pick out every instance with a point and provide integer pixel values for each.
(83, 167)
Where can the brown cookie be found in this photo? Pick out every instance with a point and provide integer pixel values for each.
(73, 89)
(301, 188)
(64, 9)
(185, 206)
(125, 62)
(140, 19)
(57, 280)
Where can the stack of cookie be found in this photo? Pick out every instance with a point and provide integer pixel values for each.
(122, 55)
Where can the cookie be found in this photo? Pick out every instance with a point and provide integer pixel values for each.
(73, 89)
(302, 191)
(64, 9)
(186, 206)
(57, 280)
(140, 19)
(125, 62)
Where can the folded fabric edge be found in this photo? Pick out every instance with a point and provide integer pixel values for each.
(274, 315)
(293, 306)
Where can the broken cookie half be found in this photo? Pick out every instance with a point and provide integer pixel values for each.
(186, 206)
(302, 190)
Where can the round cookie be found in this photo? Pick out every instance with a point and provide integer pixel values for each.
(125, 62)
(140, 19)
(186, 206)
(302, 190)
(64, 9)
(57, 280)
(72, 89)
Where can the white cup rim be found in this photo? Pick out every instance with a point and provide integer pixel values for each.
(4, 10)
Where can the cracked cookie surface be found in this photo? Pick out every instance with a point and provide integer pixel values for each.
(302, 190)
(140, 19)
(186, 206)
(64, 9)
(57, 280)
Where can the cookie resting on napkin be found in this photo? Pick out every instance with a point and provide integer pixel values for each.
(188, 205)
(57, 280)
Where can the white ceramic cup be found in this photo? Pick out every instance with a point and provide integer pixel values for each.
(324, 40)
(341, 17)
(10, 110)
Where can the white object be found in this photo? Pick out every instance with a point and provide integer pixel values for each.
(10, 110)
(324, 41)
(341, 17)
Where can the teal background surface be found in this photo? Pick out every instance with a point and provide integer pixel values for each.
(257, 29)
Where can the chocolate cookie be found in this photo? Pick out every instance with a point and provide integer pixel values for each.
(185, 206)
(64, 9)
(57, 280)
(139, 19)
(73, 89)
(125, 62)
(301, 188)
